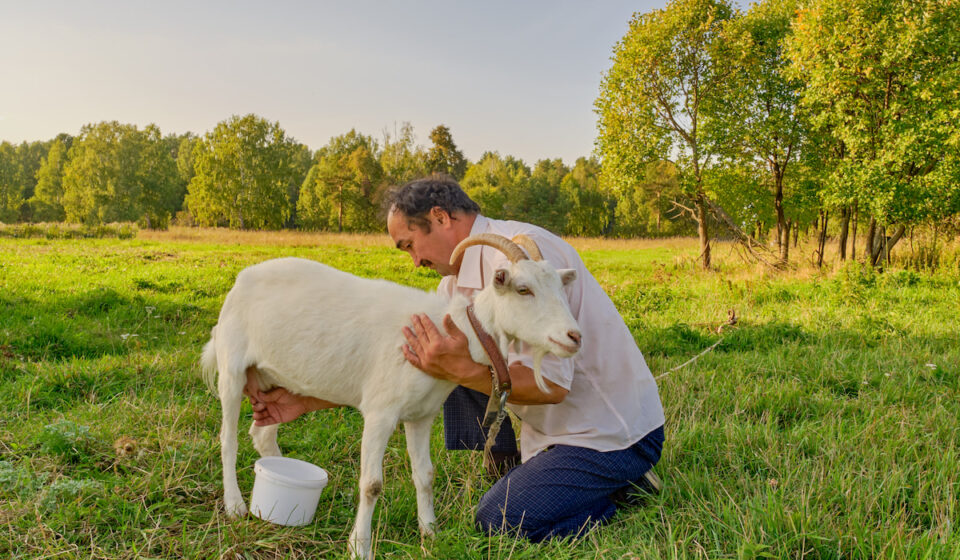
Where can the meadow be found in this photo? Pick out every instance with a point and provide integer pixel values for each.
(824, 424)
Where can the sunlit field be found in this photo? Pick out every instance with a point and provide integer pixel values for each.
(823, 425)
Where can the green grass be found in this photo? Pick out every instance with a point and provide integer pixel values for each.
(825, 425)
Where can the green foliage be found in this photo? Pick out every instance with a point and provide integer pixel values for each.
(443, 155)
(69, 231)
(883, 80)
(589, 207)
(117, 172)
(401, 158)
(72, 441)
(242, 173)
(11, 196)
(670, 76)
(67, 491)
(47, 200)
(490, 181)
(541, 199)
(344, 187)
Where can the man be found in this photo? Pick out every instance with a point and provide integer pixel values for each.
(595, 434)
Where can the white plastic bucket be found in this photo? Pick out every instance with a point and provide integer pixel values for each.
(286, 491)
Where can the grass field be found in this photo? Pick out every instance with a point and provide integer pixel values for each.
(825, 425)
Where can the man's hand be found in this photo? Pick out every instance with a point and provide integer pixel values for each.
(448, 357)
(444, 356)
(279, 405)
(276, 406)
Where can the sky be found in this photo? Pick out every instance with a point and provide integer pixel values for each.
(515, 77)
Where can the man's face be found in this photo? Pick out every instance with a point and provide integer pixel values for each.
(431, 250)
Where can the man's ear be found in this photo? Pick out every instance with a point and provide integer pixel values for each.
(440, 215)
(567, 275)
(501, 280)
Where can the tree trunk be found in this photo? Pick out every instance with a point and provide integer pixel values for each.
(783, 235)
(822, 240)
(876, 248)
(891, 242)
(868, 241)
(853, 242)
(340, 208)
(658, 214)
(844, 231)
(796, 236)
(883, 245)
(701, 205)
(785, 245)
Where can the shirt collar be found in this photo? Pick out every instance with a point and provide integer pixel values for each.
(471, 268)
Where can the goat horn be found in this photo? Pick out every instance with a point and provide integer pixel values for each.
(507, 247)
(530, 245)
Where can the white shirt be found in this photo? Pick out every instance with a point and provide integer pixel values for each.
(612, 400)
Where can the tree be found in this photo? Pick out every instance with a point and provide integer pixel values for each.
(883, 79)
(47, 201)
(162, 188)
(344, 188)
(443, 156)
(185, 158)
(589, 213)
(490, 181)
(116, 172)
(302, 162)
(402, 159)
(242, 170)
(669, 72)
(10, 194)
(541, 199)
(650, 204)
(762, 113)
(29, 156)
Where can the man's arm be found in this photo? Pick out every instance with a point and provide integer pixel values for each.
(279, 405)
(448, 357)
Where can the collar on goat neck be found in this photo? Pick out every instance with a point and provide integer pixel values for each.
(499, 364)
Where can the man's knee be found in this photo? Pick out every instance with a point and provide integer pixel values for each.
(494, 516)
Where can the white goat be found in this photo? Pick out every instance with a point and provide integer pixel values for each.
(321, 332)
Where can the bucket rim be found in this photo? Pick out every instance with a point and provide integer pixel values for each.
(262, 467)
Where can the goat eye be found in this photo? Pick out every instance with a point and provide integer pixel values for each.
(524, 291)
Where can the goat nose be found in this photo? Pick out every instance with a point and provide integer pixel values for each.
(574, 336)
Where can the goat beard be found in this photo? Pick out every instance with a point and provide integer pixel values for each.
(538, 355)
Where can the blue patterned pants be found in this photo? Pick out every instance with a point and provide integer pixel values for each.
(561, 491)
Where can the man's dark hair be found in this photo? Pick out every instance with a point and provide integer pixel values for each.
(416, 198)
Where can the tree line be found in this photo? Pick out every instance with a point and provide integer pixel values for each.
(841, 116)
(794, 112)
(248, 173)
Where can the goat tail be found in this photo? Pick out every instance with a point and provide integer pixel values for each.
(208, 361)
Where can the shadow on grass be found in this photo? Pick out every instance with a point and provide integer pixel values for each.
(680, 339)
(93, 324)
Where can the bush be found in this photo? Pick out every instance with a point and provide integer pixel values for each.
(124, 230)
(67, 489)
(68, 439)
(853, 278)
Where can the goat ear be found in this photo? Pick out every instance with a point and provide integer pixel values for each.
(501, 279)
(567, 275)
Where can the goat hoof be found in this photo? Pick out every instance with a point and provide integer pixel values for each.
(427, 531)
(358, 549)
(236, 510)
